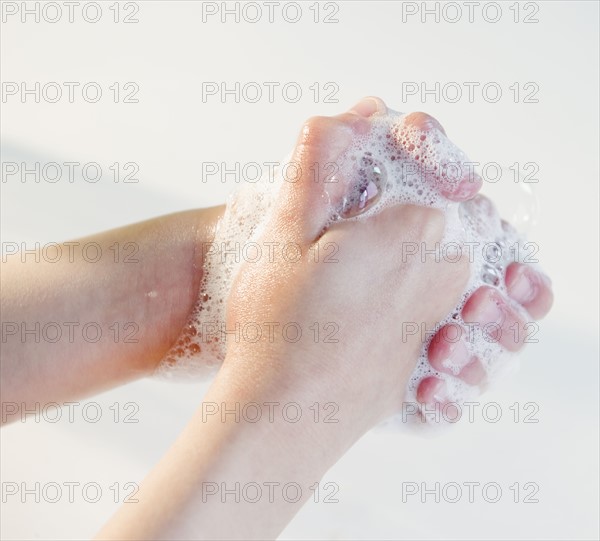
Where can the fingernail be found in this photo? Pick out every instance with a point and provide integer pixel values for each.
(433, 395)
(490, 311)
(458, 357)
(366, 107)
(522, 289)
(440, 393)
(432, 391)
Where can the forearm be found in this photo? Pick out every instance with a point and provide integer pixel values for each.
(185, 496)
(82, 324)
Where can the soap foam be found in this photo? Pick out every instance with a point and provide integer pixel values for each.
(401, 164)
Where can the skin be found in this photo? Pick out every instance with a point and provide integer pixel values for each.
(74, 290)
(363, 373)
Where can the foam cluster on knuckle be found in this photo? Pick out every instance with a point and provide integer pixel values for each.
(397, 162)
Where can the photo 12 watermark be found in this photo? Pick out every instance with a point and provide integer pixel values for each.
(70, 172)
(269, 491)
(527, 92)
(270, 412)
(68, 492)
(93, 252)
(70, 412)
(269, 92)
(469, 492)
(70, 332)
(470, 411)
(70, 12)
(271, 12)
(69, 92)
(469, 12)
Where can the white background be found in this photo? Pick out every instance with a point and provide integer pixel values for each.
(169, 53)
